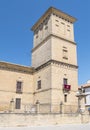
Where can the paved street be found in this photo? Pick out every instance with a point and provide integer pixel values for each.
(61, 127)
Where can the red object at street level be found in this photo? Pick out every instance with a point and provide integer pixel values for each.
(67, 87)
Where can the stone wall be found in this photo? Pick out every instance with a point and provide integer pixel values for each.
(11, 120)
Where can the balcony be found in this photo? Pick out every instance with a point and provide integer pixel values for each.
(67, 87)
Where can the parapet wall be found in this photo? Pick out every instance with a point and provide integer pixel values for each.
(25, 119)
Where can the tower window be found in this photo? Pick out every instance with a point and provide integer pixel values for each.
(64, 47)
(64, 50)
(65, 54)
(56, 20)
(68, 30)
(68, 25)
(65, 81)
(62, 28)
(65, 98)
(19, 87)
(66, 86)
(39, 84)
(62, 23)
(57, 25)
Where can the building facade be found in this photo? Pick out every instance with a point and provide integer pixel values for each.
(53, 78)
(87, 92)
(84, 97)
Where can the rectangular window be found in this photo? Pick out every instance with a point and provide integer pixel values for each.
(65, 81)
(64, 50)
(66, 87)
(19, 87)
(68, 30)
(68, 25)
(65, 98)
(39, 84)
(56, 20)
(65, 54)
(18, 103)
(62, 28)
(62, 23)
(57, 25)
(64, 47)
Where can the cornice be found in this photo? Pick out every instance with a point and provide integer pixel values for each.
(56, 12)
(63, 64)
(43, 90)
(48, 37)
(31, 70)
(43, 66)
(9, 91)
(16, 68)
(62, 38)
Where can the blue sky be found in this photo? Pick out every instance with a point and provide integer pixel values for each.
(16, 38)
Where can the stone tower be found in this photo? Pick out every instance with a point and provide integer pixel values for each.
(54, 58)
